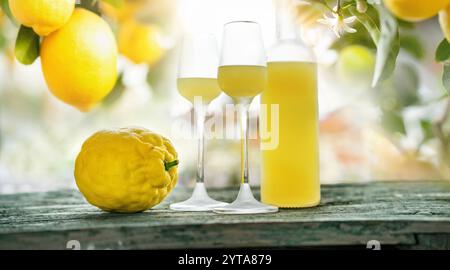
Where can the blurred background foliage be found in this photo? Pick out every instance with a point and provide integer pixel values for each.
(393, 128)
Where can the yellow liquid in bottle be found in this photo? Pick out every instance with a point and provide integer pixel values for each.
(207, 88)
(290, 173)
(242, 81)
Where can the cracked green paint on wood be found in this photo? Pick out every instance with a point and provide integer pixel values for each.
(404, 215)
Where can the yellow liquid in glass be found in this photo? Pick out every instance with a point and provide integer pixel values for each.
(242, 81)
(290, 173)
(207, 88)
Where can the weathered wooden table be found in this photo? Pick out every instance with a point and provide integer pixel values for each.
(398, 215)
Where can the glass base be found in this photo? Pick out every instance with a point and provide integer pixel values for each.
(245, 203)
(199, 201)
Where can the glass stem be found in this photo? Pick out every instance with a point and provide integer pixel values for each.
(200, 114)
(244, 111)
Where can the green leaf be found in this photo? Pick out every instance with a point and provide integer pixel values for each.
(393, 122)
(443, 51)
(427, 129)
(446, 77)
(413, 46)
(368, 22)
(388, 47)
(27, 45)
(386, 38)
(5, 7)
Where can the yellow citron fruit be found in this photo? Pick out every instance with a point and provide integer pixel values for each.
(126, 170)
(44, 16)
(79, 60)
(415, 10)
(444, 21)
(140, 42)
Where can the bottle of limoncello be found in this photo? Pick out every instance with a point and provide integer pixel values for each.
(290, 154)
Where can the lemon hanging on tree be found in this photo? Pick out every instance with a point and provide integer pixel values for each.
(44, 16)
(79, 60)
(415, 10)
(356, 65)
(126, 170)
(140, 42)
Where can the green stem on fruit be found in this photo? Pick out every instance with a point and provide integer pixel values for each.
(168, 165)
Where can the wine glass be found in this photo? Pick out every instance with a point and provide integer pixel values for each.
(197, 82)
(242, 75)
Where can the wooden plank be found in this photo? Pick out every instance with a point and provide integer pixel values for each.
(394, 213)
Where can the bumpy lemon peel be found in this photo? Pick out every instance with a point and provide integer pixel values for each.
(126, 170)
